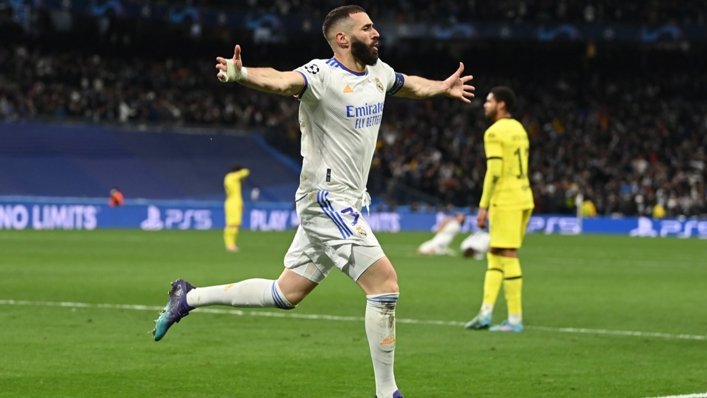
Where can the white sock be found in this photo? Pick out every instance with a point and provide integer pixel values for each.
(380, 329)
(515, 319)
(486, 309)
(250, 293)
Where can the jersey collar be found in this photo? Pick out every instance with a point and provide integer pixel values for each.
(336, 63)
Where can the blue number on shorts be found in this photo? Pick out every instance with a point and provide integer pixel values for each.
(353, 212)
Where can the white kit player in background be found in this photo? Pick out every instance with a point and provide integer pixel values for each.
(476, 245)
(446, 231)
(341, 105)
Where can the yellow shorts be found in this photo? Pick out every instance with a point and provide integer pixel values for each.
(507, 227)
(234, 214)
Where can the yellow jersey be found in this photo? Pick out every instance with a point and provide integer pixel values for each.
(507, 140)
(588, 209)
(232, 183)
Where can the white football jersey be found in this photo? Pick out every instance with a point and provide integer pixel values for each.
(447, 234)
(339, 115)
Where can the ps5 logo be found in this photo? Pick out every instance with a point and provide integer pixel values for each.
(681, 229)
(549, 225)
(176, 219)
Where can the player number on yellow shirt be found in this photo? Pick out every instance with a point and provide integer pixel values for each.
(520, 161)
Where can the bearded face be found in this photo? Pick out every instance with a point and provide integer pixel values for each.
(367, 54)
(491, 112)
(490, 107)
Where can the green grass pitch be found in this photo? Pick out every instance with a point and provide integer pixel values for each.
(598, 286)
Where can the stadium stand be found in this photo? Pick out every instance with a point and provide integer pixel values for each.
(575, 11)
(628, 140)
(86, 161)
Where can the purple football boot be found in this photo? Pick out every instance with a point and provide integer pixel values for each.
(176, 308)
(396, 394)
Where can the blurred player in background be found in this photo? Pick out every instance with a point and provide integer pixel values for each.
(116, 198)
(446, 231)
(507, 192)
(341, 106)
(588, 208)
(476, 245)
(234, 205)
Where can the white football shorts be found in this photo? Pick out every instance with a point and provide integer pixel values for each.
(332, 233)
(479, 242)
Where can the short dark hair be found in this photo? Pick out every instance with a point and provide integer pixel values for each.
(337, 15)
(236, 167)
(506, 95)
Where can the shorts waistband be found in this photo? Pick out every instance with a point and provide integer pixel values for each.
(359, 199)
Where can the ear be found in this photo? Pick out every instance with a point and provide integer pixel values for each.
(342, 40)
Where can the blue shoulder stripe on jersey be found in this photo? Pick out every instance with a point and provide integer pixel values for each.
(306, 85)
(398, 84)
(335, 62)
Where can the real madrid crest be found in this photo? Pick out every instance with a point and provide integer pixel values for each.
(361, 232)
(379, 85)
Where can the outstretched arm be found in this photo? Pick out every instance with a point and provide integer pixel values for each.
(454, 87)
(267, 80)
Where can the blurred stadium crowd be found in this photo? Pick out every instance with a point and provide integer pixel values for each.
(628, 144)
(632, 140)
(573, 11)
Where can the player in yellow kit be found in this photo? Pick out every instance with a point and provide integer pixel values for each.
(234, 205)
(507, 201)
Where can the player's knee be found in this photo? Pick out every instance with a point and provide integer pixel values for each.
(391, 286)
(512, 253)
(295, 297)
(379, 278)
(388, 281)
(294, 287)
(384, 284)
(504, 252)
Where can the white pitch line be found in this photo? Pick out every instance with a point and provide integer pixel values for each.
(620, 333)
(354, 319)
(702, 395)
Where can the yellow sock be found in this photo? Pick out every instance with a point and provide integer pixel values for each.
(492, 282)
(513, 286)
(230, 234)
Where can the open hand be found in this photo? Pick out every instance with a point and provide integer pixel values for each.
(456, 86)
